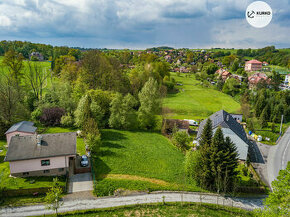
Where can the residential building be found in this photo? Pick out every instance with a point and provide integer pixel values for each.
(38, 55)
(224, 74)
(169, 124)
(287, 80)
(230, 128)
(253, 65)
(256, 78)
(22, 128)
(41, 155)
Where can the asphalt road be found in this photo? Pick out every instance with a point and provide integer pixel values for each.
(278, 157)
(72, 205)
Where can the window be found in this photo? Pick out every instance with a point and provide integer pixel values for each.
(60, 169)
(25, 173)
(46, 171)
(45, 162)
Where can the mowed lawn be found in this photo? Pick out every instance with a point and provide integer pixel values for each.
(139, 161)
(196, 102)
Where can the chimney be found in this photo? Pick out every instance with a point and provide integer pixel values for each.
(38, 139)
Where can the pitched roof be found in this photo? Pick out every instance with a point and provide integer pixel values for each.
(241, 145)
(224, 120)
(23, 126)
(254, 61)
(52, 145)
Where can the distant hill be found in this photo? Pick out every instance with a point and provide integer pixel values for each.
(160, 48)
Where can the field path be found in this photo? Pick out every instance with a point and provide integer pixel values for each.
(105, 202)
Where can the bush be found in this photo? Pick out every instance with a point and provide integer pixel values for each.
(52, 116)
(35, 115)
(180, 139)
(67, 120)
(192, 164)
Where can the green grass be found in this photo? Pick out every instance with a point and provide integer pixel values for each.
(23, 200)
(81, 149)
(139, 161)
(196, 102)
(280, 69)
(45, 65)
(169, 209)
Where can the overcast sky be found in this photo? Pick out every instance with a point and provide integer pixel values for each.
(142, 23)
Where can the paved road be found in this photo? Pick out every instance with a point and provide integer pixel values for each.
(279, 155)
(80, 182)
(71, 205)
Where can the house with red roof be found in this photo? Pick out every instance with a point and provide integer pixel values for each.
(224, 74)
(253, 65)
(256, 78)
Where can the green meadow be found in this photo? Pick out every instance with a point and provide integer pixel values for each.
(194, 101)
(138, 160)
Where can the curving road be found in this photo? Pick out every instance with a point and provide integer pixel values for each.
(105, 202)
(278, 157)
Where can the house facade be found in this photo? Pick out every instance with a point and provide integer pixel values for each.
(23, 128)
(41, 155)
(256, 78)
(253, 65)
(287, 80)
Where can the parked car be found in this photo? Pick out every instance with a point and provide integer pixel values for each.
(84, 161)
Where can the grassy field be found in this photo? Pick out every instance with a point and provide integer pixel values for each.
(45, 65)
(81, 149)
(196, 102)
(138, 161)
(169, 210)
(280, 69)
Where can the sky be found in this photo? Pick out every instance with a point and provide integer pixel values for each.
(139, 24)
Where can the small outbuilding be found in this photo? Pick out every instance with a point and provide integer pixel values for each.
(23, 128)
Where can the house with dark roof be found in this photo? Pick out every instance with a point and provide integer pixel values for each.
(230, 128)
(41, 155)
(22, 128)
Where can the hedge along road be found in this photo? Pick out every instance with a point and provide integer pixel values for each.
(156, 197)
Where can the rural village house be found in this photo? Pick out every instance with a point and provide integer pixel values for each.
(230, 128)
(256, 78)
(169, 124)
(224, 74)
(253, 65)
(41, 155)
(22, 128)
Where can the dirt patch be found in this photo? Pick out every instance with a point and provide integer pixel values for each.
(136, 178)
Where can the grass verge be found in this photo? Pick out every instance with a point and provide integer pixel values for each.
(168, 209)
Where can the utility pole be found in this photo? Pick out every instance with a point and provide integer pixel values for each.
(281, 125)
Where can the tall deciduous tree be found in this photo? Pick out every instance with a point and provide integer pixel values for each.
(11, 108)
(36, 77)
(14, 62)
(150, 104)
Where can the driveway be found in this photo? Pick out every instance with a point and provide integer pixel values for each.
(72, 205)
(80, 182)
(279, 155)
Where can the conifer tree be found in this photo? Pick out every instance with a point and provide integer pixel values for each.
(206, 135)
